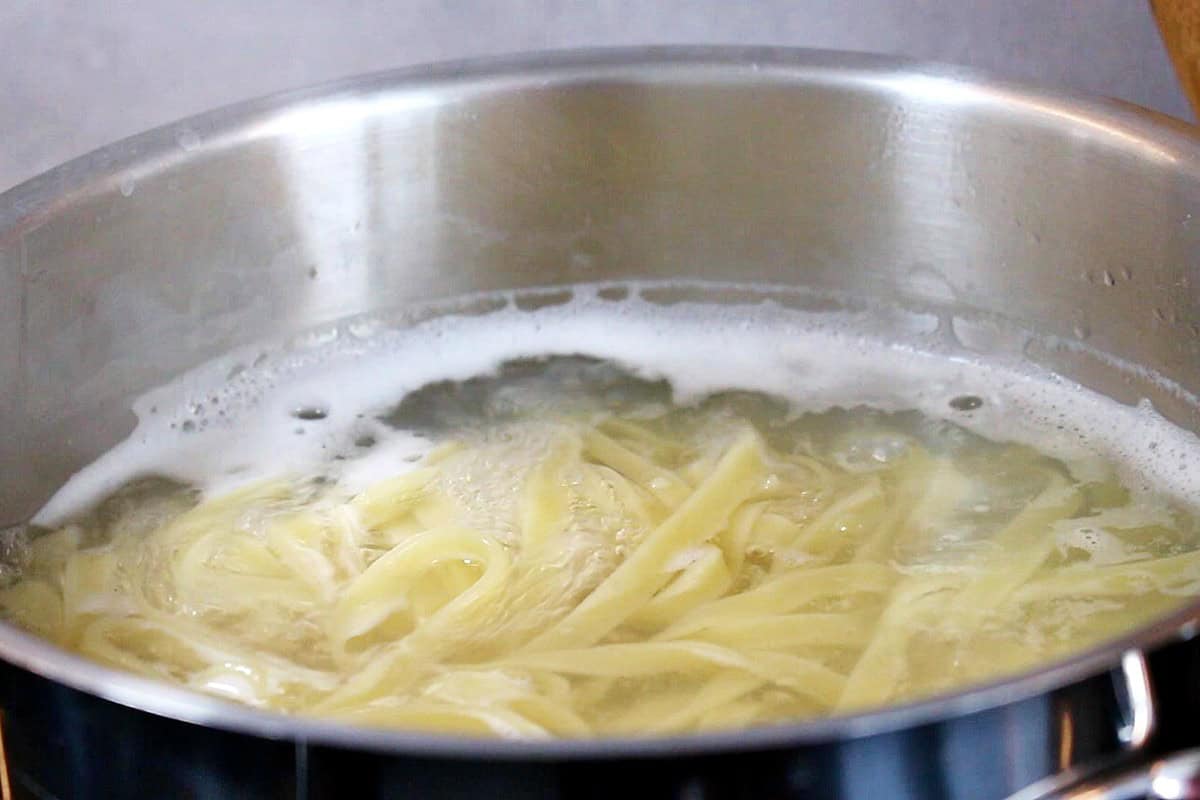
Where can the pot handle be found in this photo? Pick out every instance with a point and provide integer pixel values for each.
(1142, 774)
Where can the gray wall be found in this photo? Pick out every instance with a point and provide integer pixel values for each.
(76, 74)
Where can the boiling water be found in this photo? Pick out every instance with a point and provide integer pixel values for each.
(609, 514)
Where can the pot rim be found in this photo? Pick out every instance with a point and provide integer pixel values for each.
(24, 207)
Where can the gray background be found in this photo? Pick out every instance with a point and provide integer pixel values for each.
(77, 74)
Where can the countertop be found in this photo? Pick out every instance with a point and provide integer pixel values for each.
(75, 75)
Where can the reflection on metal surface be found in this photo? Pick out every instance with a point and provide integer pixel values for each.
(334, 264)
(302, 776)
(1177, 778)
(1066, 739)
(957, 97)
(5, 782)
(1140, 725)
(339, 116)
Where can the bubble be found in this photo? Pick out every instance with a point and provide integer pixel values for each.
(966, 402)
(867, 451)
(310, 413)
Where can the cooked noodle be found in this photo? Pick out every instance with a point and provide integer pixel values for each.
(659, 572)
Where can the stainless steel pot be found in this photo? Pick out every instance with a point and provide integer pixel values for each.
(972, 197)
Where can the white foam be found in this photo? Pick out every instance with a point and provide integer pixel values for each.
(232, 421)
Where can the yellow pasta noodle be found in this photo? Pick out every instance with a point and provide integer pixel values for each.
(640, 570)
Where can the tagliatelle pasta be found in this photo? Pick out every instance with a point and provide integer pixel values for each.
(646, 570)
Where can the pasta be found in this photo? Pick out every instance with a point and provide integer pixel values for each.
(639, 569)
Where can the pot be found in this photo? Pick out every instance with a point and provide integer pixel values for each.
(972, 198)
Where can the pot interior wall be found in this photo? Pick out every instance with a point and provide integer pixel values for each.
(123, 269)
